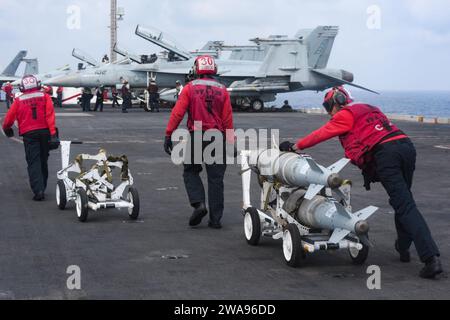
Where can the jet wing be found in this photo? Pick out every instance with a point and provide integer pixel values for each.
(341, 81)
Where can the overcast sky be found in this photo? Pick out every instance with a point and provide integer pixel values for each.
(409, 51)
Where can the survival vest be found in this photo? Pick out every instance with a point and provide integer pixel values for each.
(370, 127)
(31, 112)
(207, 100)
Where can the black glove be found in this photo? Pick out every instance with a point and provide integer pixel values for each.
(168, 145)
(287, 146)
(53, 143)
(9, 132)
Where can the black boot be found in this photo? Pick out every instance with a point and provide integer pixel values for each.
(39, 196)
(432, 268)
(404, 255)
(198, 214)
(215, 225)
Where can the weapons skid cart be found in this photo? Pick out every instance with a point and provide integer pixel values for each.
(304, 204)
(95, 188)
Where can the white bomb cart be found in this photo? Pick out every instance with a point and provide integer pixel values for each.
(304, 204)
(96, 187)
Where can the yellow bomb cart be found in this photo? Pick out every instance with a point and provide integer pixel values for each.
(95, 188)
(304, 204)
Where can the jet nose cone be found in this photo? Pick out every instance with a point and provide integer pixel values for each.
(72, 80)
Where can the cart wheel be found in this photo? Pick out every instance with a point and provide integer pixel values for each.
(359, 256)
(61, 195)
(133, 197)
(257, 105)
(292, 246)
(82, 205)
(252, 226)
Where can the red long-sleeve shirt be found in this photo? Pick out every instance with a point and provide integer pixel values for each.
(25, 119)
(341, 123)
(221, 117)
(8, 90)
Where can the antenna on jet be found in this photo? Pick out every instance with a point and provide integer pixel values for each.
(117, 14)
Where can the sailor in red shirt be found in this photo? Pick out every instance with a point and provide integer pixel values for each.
(59, 96)
(8, 88)
(385, 154)
(208, 105)
(35, 115)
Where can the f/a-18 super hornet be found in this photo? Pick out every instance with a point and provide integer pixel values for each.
(253, 74)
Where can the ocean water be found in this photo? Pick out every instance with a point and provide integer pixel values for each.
(420, 103)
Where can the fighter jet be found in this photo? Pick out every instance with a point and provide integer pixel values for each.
(253, 74)
(47, 75)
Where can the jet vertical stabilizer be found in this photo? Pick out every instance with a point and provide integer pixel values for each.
(11, 69)
(32, 66)
(285, 58)
(320, 43)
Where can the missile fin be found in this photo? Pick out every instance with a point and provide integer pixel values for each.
(338, 166)
(365, 241)
(339, 195)
(313, 190)
(365, 213)
(313, 165)
(342, 211)
(338, 235)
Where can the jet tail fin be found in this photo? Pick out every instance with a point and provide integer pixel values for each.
(320, 42)
(11, 69)
(32, 66)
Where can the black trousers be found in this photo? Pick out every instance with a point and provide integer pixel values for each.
(194, 185)
(98, 104)
(395, 165)
(59, 100)
(115, 101)
(126, 102)
(154, 105)
(37, 152)
(86, 104)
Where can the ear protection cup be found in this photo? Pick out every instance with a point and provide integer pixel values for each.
(340, 98)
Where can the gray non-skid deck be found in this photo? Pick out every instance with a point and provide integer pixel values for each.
(124, 260)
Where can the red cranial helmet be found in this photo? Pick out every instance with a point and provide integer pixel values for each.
(337, 96)
(205, 65)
